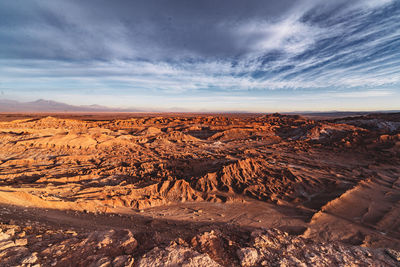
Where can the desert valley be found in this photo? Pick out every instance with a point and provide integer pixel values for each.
(199, 190)
(202, 133)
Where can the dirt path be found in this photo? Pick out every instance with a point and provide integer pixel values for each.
(251, 214)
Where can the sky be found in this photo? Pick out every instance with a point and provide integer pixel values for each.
(203, 55)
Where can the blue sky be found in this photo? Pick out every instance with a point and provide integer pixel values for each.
(208, 55)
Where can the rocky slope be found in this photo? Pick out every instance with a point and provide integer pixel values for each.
(36, 245)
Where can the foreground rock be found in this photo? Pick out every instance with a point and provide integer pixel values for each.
(275, 248)
(176, 256)
(266, 248)
(32, 245)
(41, 247)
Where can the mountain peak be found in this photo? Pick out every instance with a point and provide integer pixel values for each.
(44, 105)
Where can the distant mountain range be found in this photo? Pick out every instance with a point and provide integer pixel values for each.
(42, 105)
(49, 106)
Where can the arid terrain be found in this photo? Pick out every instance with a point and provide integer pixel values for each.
(199, 190)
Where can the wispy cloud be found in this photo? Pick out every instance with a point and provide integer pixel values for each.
(135, 49)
